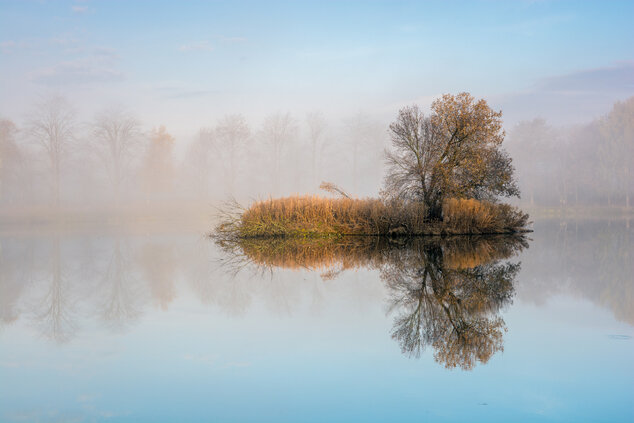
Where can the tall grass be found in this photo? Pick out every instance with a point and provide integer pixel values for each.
(471, 216)
(311, 216)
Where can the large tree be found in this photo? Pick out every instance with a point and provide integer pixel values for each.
(454, 152)
(10, 156)
(232, 134)
(116, 135)
(52, 125)
(158, 167)
(316, 128)
(616, 150)
(278, 130)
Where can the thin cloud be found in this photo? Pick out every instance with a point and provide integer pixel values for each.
(233, 39)
(238, 364)
(64, 41)
(531, 27)
(7, 46)
(189, 94)
(571, 98)
(199, 46)
(105, 53)
(79, 71)
(79, 9)
(617, 78)
(336, 54)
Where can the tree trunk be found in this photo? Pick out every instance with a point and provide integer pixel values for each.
(433, 203)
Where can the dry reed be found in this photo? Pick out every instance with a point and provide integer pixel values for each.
(312, 216)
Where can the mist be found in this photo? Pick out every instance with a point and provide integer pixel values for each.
(260, 101)
(52, 160)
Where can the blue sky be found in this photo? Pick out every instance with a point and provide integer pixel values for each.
(187, 63)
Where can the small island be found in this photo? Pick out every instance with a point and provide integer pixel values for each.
(445, 175)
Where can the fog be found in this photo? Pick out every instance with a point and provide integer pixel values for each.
(114, 162)
(189, 106)
(588, 164)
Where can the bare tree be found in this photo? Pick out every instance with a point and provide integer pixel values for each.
(198, 163)
(365, 137)
(232, 133)
(158, 167)
(10, 155)
(52, 126)
(616, 151)
(316, 129)
(455, 152)
(278, 130)
(116, 134)
(532, 143)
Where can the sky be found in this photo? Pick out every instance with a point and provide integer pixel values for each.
(185, 64)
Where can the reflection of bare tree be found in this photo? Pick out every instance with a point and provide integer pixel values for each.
(122, 296)
(616, 267)
(585, 258)
(212, 286)
(55, 315)
(454, 310)
(12, 283)
(158, 264)
(447, 293)
(11, 159)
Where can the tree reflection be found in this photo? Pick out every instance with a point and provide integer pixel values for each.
(445, 293)
(448, 306)
(55, 312)
(159, 267)
(121, 298)
(12, 280)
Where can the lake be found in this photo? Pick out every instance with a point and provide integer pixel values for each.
(123, 322)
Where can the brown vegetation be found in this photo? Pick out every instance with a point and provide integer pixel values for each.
(456, 152)
(332, 217)
(369, 251)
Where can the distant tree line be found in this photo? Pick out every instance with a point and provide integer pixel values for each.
(589, 164)
(53, 158)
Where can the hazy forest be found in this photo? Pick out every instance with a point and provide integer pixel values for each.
(52, 158)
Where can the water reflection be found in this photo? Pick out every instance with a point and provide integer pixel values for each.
(55, 311)
(589, 259)
(111, 306)
(445, 293)
(122, 296)
(452, 308)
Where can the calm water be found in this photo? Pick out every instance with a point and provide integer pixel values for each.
(135, 324)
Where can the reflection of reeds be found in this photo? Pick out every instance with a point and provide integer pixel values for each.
(367, 251)
(327, 217)
(312, 253)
